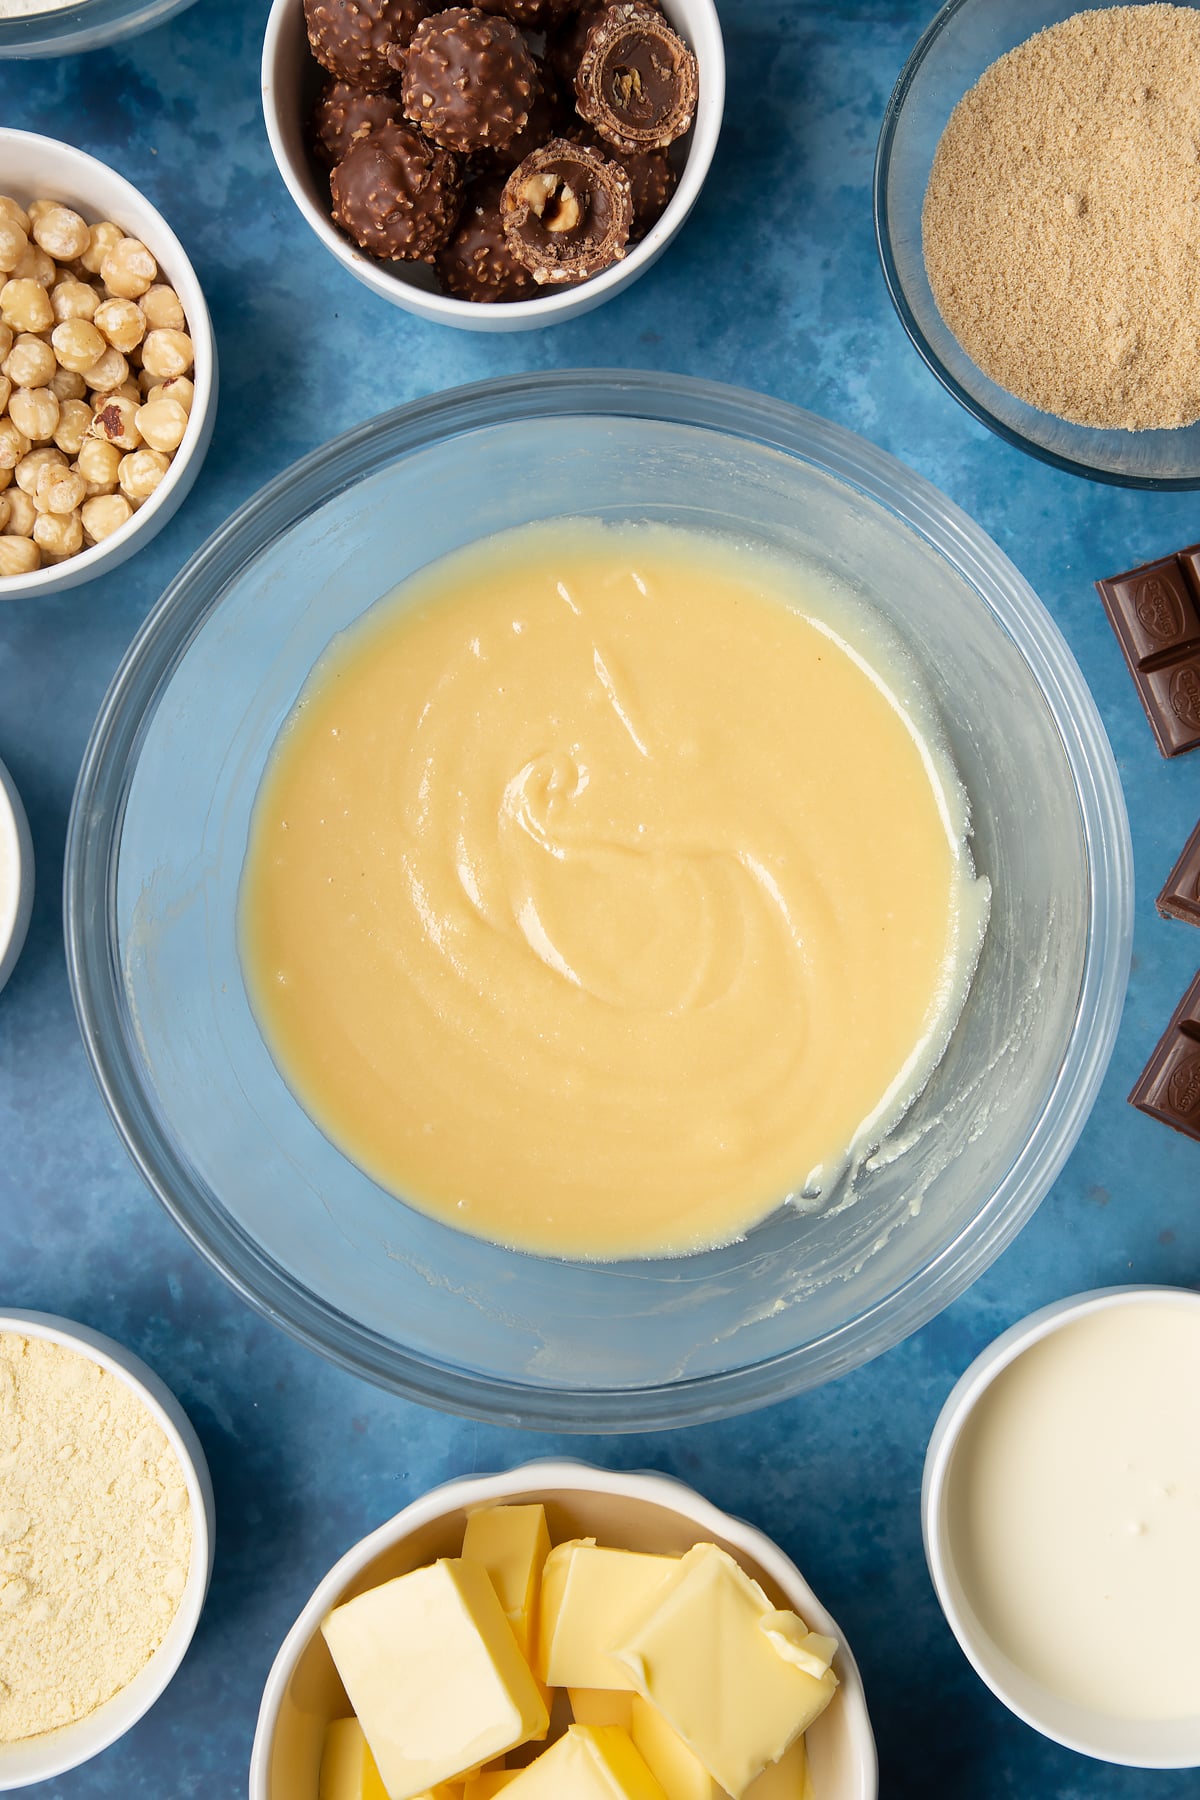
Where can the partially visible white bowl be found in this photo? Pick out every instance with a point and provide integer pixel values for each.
(42, 168)
(1137, 1743)
(290, 81)
(16, 875)
(43, 1758)
(630, 1511)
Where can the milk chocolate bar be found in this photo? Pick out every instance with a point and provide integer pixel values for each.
(1169, 1085)
(1180, 898)
(1155, 612)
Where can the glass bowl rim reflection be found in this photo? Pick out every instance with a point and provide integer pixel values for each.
(898, 100)
(72, 30)
(94, 832)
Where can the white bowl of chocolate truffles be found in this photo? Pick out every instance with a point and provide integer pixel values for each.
(498, 166)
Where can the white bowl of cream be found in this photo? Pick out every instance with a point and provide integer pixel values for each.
(1061, 1517)
(16, 875)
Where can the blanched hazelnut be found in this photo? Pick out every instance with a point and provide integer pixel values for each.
(25, 305)
(77, 344)
(163, 308)
(115, 421)
(30, 362)
(21, 513)
(67, 384)
(35, 265)
(107, 372)
(74, 417)
(162, 423)
(9, 209)
(104, 515)
(58, 534)
(12, 243)
(32, 464)
(176, 387)
(122, 322)
(98, 462)
(19, 556)
(102, 238)
(73, 299)
(141, 471)
(59, 489)
(167, 353)
(128, 269)
(13, 445)
(35, 412)
(59, 231)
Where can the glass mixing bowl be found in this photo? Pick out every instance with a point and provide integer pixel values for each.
(158, 834)
(963, 40)
(84, 25)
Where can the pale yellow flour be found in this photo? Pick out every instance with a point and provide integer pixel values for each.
(95, 1536)
(1062, 219)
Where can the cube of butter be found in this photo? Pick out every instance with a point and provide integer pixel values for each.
(431, 1667)
(589, 1596)
(512, 1543)
(488, 1783)
(787, 1779)
(348, 1769)
(602, 1706)
(701, 1655)
(678, 1770)
(589, 1762)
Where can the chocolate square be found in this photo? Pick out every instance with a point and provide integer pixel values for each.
(1153, 609)
(1155, 613)
(1169, 1086)
(1180, 897)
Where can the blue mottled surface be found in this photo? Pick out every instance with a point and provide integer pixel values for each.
(774, 284)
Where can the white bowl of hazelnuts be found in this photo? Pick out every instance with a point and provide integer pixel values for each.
(108, 377)
(500, 165)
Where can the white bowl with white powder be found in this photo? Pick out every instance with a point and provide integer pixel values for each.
(16, 875)
(140, 1500)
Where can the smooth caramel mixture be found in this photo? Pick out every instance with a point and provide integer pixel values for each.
(600, 894)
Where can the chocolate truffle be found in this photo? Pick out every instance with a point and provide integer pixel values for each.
(653, 178)
(351, 38)
(637, 80)
(397, 195)
(343, 114)
(550, 113)
(565, 42)
(530, 15)
(477, 263)
(469, 80)
(566, 212)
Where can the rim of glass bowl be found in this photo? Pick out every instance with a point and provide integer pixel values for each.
(93, 837)
(895, 287)
(85, 26)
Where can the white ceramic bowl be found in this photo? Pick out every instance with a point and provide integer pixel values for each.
(291, 79)
(1145, 1744)
(42, 168)
(642, 1512)
(16, 875)
(45, 1757)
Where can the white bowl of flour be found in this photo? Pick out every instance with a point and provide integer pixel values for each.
(106, 1543)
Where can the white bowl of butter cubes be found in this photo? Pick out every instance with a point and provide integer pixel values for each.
(561, 1630)
(108, 374)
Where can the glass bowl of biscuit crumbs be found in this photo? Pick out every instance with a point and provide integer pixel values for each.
(1034, 192)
